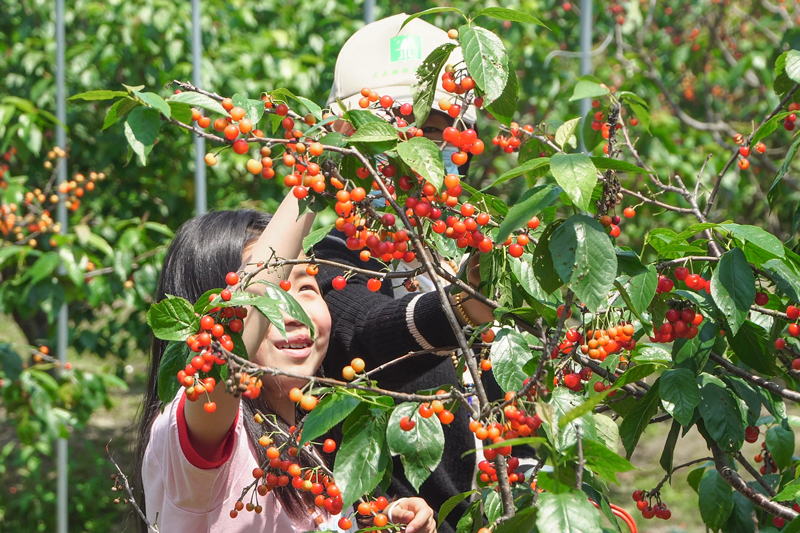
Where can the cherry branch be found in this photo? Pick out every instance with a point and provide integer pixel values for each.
(661, 483)
(244, 365)
(126, 486)
(755, 380)
(753, 472)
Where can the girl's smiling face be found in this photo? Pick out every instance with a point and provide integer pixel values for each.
(298, 352)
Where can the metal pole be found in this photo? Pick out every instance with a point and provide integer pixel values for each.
(586, 59)
(369, 11)
(61, 216)
(200, 199)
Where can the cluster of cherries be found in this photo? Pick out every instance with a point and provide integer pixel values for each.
(39, 203)
(599, 343)
(681, 323)
(788, 122)
(611, 222)
(645, 505)
(510, 143)
(228, 320)
(573, 380)
(751, 435)
(792, 312)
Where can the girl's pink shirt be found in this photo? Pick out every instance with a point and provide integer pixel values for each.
(193, 493)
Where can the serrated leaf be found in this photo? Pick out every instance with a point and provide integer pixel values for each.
(716, 499)
(721, 413)
(786, 276)
(198, 100)
(451, 504)
(427, 78)
(733, 288)
(638, 419)
(363, 455)
(750, 344)
(780, 442)
(774, 190)
(172, 361)
(421, 448)
(155, 101)
(424, 158)
(531, 203)
(524, 168)
(316, 236)
(603, 461)
(505, 107)
(91, 96)
(585, 259)
(755, 236)
(486, 60)
(588, 89)
(513, 15)
(173, 319)
(565, 134)
(181, 112)
(680, 394)
(431, 11)
(119, 109)
(141, 130)
(569, 512)
(330, 411)
(254, 109)
(577, 175)
(509, 354)
(374, 132)
(768, 127)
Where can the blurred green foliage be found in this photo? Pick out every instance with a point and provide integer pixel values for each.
(720, 78)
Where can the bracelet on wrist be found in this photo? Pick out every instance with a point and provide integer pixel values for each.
(463, 313)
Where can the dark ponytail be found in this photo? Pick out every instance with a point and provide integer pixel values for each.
(203, 251)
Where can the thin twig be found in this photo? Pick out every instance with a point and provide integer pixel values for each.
(755, 380)
(125, 485)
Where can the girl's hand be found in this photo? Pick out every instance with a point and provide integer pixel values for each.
(416, 513)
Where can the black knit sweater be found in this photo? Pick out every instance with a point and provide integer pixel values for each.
(378, 328)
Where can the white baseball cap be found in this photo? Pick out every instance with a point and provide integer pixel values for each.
(385, 59)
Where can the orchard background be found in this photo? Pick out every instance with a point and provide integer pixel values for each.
(706, 71)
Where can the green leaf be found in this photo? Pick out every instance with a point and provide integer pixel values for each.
(332, 409)
(173, 319)
(638, 419)
(503, 13)
(12, 363)
(646, 353)
(198, 100)
(70, 265)
(636, 373)
(363, 456)
(421, 448)
(750, 344)
(733, 288)
(509, 354)
(786, 276)
(603, 461)
(486, 60)
(424, 158)
(603, 163)
(254, 109)
(680, 395)
(565, 134)
(173, 360)
(505, 107)
(155, 101)
(721, 413)
(531, 203)
(577, 175)
(524, 520)
(629, 263)
(141, 130)
(716, 499)
(92, 96)
(427, 79)
(640, 290)
(757, 237)
(584, 408)
(119, 109)
(642, 114)
(181, 112)
(451, 504)
(668, 455)
(588, 89)
(790, 492)
(768, 127)
(774, 190)
(431, 11)
(568, 512)
(492, 505)
(524, 168)
(585, 259)
(543, 266)
(316, 236)
(780, 442)
(374, 132)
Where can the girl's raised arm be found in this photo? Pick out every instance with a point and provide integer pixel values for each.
(283, 238)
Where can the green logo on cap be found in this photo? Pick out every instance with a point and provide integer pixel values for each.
(405, 47)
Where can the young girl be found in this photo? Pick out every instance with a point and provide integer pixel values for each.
(194, 464)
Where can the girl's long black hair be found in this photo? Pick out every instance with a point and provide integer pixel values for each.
(203, 251)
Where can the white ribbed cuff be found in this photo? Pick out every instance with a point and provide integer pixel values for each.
(412, 326)
(390, 509)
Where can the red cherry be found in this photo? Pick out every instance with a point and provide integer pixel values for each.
(762, 298)
(794, 330)
(795, 364)
(780, 344)
(286, 285)
(232, 278)
(792, 312)
(339, 283)
(344, 522)
(374, 285)
(681, 273)
(638, 495)
(210, 407)
(407, 424)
